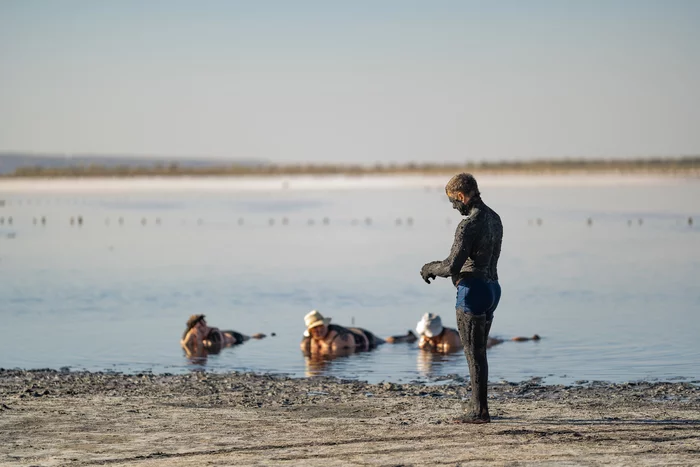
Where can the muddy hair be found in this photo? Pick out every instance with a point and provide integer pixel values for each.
(464, 183)
(192, 322)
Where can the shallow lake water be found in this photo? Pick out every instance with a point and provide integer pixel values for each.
(614, 299)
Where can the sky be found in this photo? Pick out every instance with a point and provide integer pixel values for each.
(362, 81)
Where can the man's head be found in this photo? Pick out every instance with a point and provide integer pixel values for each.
(316, 324)
(461, 189)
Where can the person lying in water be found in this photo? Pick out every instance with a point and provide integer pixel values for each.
(199, 339)
(321, 337)
(434, 337)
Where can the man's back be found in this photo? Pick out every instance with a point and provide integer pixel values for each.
(486, 230)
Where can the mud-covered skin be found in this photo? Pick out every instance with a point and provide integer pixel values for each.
(474, 254)
(477, 245)
(474, 332)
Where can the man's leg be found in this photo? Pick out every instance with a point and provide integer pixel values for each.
(473, 331)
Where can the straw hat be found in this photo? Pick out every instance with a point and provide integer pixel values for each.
(314, 318)
(430, 325)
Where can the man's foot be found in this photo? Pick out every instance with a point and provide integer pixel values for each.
(471, 419)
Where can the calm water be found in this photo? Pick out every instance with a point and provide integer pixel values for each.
(612, 301)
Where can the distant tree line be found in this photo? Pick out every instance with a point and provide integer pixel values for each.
(668, 165)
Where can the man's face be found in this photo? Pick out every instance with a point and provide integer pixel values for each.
(457, 199)
(319, 332)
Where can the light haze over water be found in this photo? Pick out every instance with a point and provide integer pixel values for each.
(616, 300)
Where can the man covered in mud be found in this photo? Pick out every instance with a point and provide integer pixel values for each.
(472, 267)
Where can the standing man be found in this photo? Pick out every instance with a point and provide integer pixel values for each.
(472, 267)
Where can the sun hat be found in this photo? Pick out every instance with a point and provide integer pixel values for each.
(430, 325)
(314, 318)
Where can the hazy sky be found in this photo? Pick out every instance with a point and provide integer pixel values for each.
(364, 81)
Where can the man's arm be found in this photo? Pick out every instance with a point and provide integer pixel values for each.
(306, 345)
(464, 237)
(190, 340)
(193, 345)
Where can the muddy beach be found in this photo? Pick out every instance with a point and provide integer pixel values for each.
(64, 418)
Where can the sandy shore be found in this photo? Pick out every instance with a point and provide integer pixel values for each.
(54, 418)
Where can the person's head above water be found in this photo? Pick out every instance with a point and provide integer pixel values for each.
(460, 190)
(430, 325)
(194, 321)
(316, 324)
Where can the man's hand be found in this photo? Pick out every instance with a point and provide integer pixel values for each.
(426, 274)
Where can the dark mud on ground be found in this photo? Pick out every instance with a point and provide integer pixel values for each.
(65, 418)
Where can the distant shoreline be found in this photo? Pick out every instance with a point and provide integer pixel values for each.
(689, 166)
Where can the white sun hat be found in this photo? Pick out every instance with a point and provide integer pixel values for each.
(430, 325)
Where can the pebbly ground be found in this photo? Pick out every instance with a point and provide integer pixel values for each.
(64, 418)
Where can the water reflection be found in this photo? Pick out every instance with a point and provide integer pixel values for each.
(316, 364)
(427, 363)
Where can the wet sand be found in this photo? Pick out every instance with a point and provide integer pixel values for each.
(62, 418)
